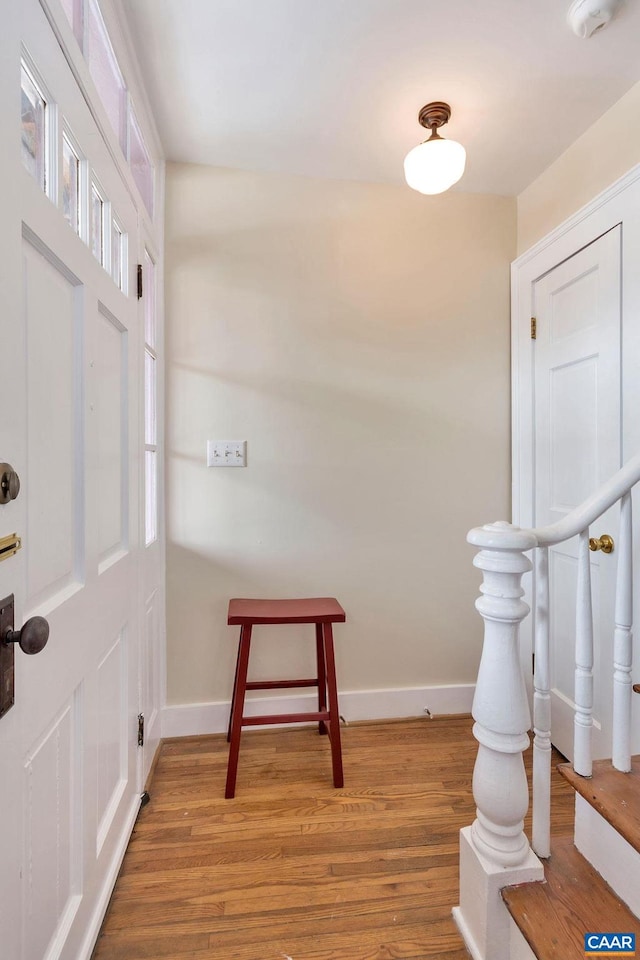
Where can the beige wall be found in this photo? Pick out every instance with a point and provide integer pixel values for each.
(605, 152)
(357, 336)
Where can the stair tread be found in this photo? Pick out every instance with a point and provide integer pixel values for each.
(555, 915)
(615, 795)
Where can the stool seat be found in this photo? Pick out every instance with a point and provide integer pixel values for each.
(321, 611)
(311, 610)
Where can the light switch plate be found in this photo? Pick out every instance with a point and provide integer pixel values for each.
(226, 453)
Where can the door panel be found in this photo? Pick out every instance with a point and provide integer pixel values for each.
(577, 447)
(54, 382)
(573, 409)
(112, 730)
(52, 845)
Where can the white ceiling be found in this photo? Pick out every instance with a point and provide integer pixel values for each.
(332, 88)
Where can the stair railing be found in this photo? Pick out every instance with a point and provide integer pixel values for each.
(500, 707)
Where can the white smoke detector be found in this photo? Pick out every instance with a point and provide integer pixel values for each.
(587, 16)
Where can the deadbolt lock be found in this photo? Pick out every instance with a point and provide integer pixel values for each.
(9, 483)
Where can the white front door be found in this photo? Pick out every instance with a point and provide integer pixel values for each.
(70, 426)
(577, 383)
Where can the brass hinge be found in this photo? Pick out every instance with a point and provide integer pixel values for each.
(141, 729)
(139, 281)
(534, 328)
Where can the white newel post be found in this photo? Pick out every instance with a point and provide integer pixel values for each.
(494, 851)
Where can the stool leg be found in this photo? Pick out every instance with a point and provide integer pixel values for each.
(322, 677)
(334, 716)
(238, 707)
(235, 688)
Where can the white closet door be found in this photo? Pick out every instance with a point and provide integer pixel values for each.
(577, 383)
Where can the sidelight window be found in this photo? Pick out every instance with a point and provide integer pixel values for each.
(118, 255)
(75, 15)
(97, 224)
(71, 191)
(34, 128)
(92, 35)
(140, 163)
(105, 73)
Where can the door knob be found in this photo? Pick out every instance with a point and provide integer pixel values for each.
(33, 636)
(604, 543)
(9, 483)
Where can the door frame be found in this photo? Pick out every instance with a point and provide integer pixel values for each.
(152, 596)
(619, 204)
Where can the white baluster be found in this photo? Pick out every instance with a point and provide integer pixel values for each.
(622, 643)
(494, 851)
(500, 706)
(541, 833)
(583, 695)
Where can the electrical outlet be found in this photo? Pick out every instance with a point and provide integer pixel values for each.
(226, 453)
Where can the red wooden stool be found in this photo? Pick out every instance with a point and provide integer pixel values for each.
(323, 611)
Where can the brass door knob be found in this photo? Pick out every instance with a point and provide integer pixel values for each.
(33, 636)
(604, 543)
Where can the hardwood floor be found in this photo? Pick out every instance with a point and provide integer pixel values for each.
(292, 868)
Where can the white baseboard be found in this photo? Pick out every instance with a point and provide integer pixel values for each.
(519, 949)
(193, 719)
(463, 929)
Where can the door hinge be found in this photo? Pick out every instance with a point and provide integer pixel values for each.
(534, 328)
(139, 281)
(141, 729)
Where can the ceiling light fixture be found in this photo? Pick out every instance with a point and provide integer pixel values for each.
(435, 165)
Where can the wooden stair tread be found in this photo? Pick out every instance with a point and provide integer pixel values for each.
(615, 795)
(555, 915)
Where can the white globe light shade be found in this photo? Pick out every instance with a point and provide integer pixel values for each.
(435, 165)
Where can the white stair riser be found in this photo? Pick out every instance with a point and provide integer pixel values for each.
(611, 855)
(519, 949)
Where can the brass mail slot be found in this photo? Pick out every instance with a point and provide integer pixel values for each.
(9, 545)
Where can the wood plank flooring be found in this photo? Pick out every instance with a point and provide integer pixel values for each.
(292, 868)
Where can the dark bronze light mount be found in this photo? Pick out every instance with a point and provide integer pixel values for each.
(433, 116)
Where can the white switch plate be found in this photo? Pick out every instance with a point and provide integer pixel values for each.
(226, 453)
